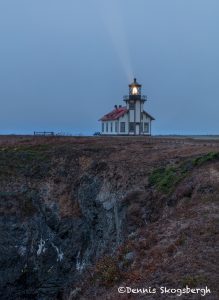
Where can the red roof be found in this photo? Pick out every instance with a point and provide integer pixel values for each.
(115, 114)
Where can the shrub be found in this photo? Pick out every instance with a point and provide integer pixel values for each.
(165, 179)
(205, 158)
(107, 271)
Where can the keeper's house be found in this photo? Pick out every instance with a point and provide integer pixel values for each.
(130, 119)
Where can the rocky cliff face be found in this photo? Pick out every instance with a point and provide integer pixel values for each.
(58, 214)
(66, 204)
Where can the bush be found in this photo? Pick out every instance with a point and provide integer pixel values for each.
(107, 271)
(165, 179)
(205, 158)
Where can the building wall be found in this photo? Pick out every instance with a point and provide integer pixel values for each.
(131, 115)
(137, 111)
(109, 127)
(125, 119)
(146, 119)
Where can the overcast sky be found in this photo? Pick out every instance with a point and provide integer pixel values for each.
(64, 64)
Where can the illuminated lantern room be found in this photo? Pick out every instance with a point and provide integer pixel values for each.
(134, 90)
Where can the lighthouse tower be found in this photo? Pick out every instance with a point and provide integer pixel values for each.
(135, 105)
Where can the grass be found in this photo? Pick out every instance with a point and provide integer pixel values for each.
(165, 179)
(31, 161)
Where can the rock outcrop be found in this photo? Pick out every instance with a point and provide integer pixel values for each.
(66, 204)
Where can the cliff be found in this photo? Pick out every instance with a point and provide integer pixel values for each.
(80, 217)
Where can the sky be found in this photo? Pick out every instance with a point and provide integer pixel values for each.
(64, 64)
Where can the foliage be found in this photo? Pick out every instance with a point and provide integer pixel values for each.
(166, 178)
(107, 271)
(205, 158)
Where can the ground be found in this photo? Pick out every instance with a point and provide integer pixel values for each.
(146, 209)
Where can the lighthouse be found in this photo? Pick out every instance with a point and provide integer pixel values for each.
(130, 119)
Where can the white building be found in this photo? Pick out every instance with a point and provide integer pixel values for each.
(130, 119)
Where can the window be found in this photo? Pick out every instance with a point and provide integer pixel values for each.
(111, 127)
(132, 105)
(116, 127)
(146, 127)
(106, 127)
(102, 127)
(122, 127)
(132, 126)
(134, 90)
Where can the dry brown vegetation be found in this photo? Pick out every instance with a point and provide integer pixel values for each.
(174, 220)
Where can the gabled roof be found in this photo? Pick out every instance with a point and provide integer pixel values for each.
(114, 114)
(119, 112)
(152, 118)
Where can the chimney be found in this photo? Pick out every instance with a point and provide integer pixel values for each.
(115, 106)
